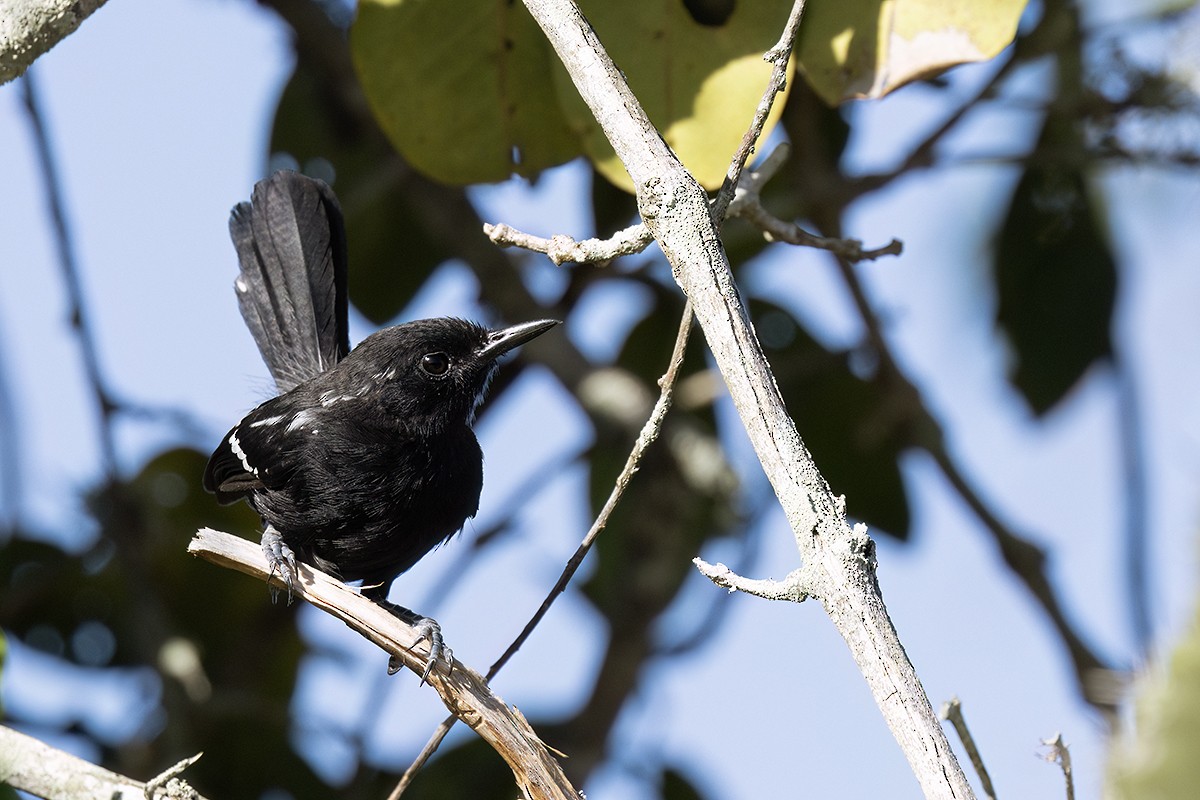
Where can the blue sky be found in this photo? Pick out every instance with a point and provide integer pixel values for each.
(160, 113)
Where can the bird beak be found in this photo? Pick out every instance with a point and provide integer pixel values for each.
(501, 341)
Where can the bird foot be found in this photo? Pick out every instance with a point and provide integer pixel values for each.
(280, 559)
(428, 630)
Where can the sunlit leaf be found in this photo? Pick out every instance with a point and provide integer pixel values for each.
(867, 48)
(699, 83)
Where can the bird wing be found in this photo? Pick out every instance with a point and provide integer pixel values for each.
(259, 453)
(291, 245)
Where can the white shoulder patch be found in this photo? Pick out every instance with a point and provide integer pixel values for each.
(236, 447)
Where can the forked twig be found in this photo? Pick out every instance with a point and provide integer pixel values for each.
(645, 438)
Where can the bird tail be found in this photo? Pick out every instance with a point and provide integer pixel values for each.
(291, 245)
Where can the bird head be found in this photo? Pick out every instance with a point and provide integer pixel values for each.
(433, 373)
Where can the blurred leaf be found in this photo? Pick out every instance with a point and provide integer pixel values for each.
(1056, 277)
(699, 83)
(1157, 756)
(473, 769)
(867, 48)
(462, 88)
(841, 418)
(391, 253)
(676, 786)
(612, 208)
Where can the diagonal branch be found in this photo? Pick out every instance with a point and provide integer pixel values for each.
(464, 692)
(33, 766)
(778, 56)
(29, 28)
(675, 208)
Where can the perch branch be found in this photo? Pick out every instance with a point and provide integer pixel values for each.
(464, 692)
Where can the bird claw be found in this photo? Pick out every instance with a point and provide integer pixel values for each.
(281, 560)
(428, 630)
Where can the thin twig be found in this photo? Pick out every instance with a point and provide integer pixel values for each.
(952, 712)
(70, 272)
(164, 778)
(1137, 532)
(1060, 754)
(793, 587)
(747, 204)
(778, 57)
(12, 471)
(647, 436)
(562, 249)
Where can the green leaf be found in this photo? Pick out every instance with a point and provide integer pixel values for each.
(699, 83)
(676, 786)
(462, 88)
(867, 48)
(1056, 277)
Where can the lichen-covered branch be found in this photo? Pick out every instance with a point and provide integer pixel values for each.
(840, 560)
(29, 28)
(35, 767)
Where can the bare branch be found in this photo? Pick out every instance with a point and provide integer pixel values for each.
(44, 771)
(29, 28)
(952, 712)
(790, 588)
(562, 249)
(778, 56)
(747, 204)
(1060, 754)
(842, 563)
(464, 692)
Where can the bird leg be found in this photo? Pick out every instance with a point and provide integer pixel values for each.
(280, 559)
(428, 630)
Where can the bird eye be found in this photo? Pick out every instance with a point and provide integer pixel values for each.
(435, 364)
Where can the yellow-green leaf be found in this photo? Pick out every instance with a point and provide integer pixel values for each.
(867, 48)
(1157, 756)
(699, 83)
(462, 87)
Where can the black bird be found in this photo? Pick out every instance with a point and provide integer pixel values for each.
(366, 460)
